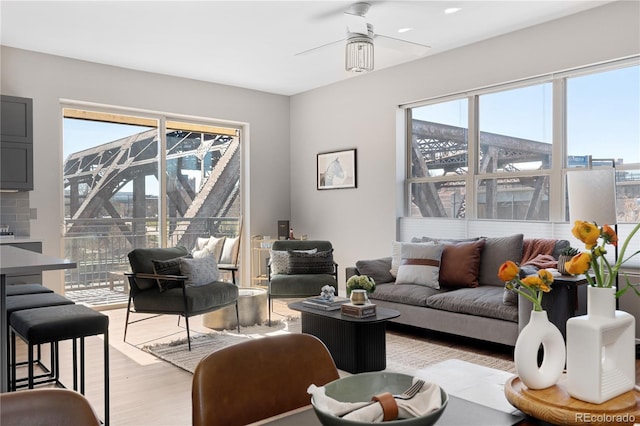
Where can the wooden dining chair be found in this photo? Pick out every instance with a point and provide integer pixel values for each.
(44, 407)
(259, 378)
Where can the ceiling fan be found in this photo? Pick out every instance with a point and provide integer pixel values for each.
(360, 37)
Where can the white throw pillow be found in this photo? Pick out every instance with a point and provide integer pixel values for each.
(420, 264)
(211, 246)
(396, 255)
(230, 251)
(199, 271)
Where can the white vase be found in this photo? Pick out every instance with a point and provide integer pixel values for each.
(539, 331)
(600, 349)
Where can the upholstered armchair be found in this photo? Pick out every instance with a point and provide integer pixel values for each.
(300, 268)
(170, 281)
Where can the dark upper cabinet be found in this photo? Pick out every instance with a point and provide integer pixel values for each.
(16, 143)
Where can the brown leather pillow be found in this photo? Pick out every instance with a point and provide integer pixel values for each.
(460, 264)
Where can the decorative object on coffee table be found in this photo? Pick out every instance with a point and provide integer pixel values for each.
(359, 297)
(360, 282)
(601, 344)
(539, 331)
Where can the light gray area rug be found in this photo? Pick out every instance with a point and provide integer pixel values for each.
(405, 354)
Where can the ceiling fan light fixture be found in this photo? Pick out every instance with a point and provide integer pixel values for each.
(359, 54)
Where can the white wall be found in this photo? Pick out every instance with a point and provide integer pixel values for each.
(361, 113)
(48, 79)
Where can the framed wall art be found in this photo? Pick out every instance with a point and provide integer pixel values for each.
(337, 169)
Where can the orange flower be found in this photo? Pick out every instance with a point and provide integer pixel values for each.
(579, 264)
(546, 277)
(508, 271)
(609, 235)
(586, 232)
(532, 281)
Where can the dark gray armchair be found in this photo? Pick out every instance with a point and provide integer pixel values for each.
(294, 272)
(168, 292)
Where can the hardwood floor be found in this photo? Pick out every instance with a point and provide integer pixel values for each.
(148, 391)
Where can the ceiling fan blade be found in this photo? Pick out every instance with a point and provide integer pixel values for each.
(313, 49)
(406, 46)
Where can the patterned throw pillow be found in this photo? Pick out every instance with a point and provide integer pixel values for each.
(200, 271)
(280, 260)
(167, 267)
(310, 263)
(420, 265)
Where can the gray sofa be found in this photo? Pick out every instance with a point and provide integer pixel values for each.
(471, 300)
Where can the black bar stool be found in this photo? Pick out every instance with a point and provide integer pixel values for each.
(56, 323)
(19, 302)
(19, 289)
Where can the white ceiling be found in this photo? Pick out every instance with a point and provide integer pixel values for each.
(253, 44)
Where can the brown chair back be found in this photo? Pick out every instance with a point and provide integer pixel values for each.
(259, 378)
(43, 407)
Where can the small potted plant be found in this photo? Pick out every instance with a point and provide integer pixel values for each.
(358, 286)
(566, 254)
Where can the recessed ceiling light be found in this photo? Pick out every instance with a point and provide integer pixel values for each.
(404, 30)
(452, 10)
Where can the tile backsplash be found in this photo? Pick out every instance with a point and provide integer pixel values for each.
(15, 212)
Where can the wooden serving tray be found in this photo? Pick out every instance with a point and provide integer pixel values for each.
(555, 405)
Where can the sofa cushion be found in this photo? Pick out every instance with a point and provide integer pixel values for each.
(199, 299)
(497, 251)
(485, 301)
(461, 264)
(279, 260)
(378, 269)
(283, 285)
(420, 264)
(408, 294)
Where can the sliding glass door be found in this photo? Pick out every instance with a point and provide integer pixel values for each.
(115, 200)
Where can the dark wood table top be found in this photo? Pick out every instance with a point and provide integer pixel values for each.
(382, 314)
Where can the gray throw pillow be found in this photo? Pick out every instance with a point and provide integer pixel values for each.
(378, 269)
(310, 263)
(200, 271)
(497, 251)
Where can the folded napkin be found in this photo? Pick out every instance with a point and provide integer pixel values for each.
(425, 401)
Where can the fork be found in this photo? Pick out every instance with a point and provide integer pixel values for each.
(412, 391)
(407, 394)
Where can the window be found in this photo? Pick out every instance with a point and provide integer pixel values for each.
(439, 157)
(515, 136)
(602, 123)
(508, 171)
